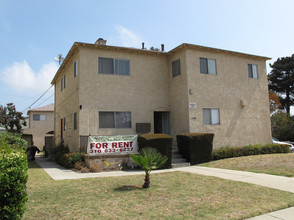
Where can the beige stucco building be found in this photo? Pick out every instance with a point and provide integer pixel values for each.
(109, 90)
(41, 124)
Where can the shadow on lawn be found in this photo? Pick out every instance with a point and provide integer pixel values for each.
(128, 188)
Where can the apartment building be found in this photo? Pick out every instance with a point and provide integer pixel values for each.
(41, 124)
(109, 90)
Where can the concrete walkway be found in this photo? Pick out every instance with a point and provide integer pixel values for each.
(276, 182)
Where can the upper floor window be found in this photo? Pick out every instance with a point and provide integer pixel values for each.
(76, 68)
(211, 116)
(62, 83)
(207, 66)
(39, 117)
(252, 71)
(113, 66)
(176, 68)
(115, 120)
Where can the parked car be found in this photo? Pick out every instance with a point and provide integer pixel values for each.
(276, 141)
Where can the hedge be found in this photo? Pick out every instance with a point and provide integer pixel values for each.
(13, 179)
(229, 152)
(161, 142)
(195, 147)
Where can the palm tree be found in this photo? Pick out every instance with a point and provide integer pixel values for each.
(149, 159)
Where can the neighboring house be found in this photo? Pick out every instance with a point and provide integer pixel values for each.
(109, 90)
(41, 123)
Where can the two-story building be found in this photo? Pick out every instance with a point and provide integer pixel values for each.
(109, 90)
(41, 124)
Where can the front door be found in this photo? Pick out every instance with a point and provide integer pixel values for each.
(161, 122)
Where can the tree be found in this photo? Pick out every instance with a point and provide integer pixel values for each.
(11, 119)
(281, 80)
(274, 102)
(282, 126)
(149, 159)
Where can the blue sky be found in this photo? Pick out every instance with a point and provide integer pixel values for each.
(33, 32)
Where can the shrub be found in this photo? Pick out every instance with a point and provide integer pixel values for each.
(13, 140)
(75, 157)
(68, 160)
(58, 153)
(195, 147)
(229, 151)
(161, 142)
(13, 178)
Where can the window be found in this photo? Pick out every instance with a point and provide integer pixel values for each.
(176, 68)
(64, 81)
(62, 84)
(39, 117)
(75, 121)
(113, 66)
(207, 66)
(252, 71)
(76, 68)
(211, 116)
(114, 119)
(64, 124)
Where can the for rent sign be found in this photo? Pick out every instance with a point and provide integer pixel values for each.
(105, 145)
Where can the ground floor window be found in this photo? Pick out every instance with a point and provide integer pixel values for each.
(114, 119)
(211, 116)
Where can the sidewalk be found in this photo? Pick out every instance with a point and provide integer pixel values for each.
(276, 182)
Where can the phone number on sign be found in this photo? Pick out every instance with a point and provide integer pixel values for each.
(112, 150)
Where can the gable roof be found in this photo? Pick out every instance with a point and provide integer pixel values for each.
(47, 108)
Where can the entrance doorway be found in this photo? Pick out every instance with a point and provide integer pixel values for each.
(161, 122)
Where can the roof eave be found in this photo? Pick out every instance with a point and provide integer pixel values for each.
(192, 46)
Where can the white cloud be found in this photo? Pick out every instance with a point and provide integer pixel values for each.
(128, 38)
(20, 76)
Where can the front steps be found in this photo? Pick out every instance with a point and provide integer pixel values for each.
(178, 160)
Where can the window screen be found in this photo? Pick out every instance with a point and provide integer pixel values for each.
(62, 84)
(105, 65)
(122, 119)
(176, 68)
(106, 120)
(76, 68)
(211, 116)
(43, 117)
(208, 66)
(114, 119)
(36, 117)
(113, 66)
(122, 67)
(64, 81)
(252, 71)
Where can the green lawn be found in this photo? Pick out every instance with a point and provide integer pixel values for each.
(276, 164)
(175, 195)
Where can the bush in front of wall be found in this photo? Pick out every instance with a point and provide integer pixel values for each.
(161, 142)
(229, 151)
(59, 152)
(195, 147)
(13, 179)
(68, 160)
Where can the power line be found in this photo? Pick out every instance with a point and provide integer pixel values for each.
(45, 100)
(37, 99)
